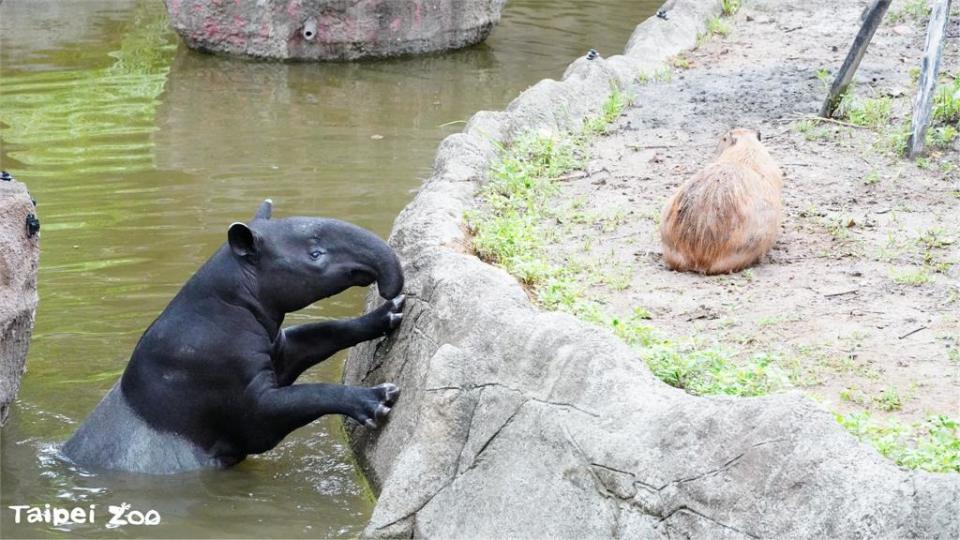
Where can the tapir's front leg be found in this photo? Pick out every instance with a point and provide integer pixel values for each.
(278, 411)
(309, 344)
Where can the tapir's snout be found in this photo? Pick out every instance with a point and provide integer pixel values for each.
(376, 259)
(389, 273)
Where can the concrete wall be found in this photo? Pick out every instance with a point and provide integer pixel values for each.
(19, 258)
(515, 422)
(332, 29)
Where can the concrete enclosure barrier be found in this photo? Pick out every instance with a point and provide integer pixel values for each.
(19, 258)
(332, 30)
(519, 423)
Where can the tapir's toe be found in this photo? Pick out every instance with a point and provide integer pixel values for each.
(390, 393)
(395, 320)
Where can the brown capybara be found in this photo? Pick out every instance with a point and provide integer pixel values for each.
(727, 216)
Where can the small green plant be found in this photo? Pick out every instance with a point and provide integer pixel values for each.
(946, 103)
(824, 75)
(873, 113)
(853, 395)
(889, 400)
(934, 238)
(612, 108)
(914, 277)
(942, 137)
(681, 62)
(914, 74)
(932, 446)
(915, 10)
(660, 75)
(718, 27)
(871, 178)
(729, 7)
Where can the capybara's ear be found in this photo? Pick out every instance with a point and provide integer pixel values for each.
(758, 136)
(265, 209)
(243, 241)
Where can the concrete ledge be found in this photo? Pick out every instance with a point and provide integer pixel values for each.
(19, 258)
(520, 423)
(304, 30)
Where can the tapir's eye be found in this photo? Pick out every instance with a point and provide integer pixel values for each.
(315, 254)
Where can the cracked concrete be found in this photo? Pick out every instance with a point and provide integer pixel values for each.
(519, 423)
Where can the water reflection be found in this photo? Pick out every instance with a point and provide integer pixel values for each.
(141, 153)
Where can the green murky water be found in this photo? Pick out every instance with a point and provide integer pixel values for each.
(141, 152)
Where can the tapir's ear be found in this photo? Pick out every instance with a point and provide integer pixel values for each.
(266, 208)
(242, 239)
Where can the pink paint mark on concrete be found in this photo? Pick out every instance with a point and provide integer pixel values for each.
(239, 24)
(237, 40)
(197, 7)
(210, 28)
(418, 13)
(264, 30)
(395, 24)
(293, 9)
(175, 7)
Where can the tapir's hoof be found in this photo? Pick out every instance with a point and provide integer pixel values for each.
(386, 395)
(390, 314)
(390, 394)
(396, 311)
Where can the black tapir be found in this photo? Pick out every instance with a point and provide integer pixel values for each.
(211, 380)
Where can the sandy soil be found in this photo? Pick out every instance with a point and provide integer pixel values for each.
(830, 297)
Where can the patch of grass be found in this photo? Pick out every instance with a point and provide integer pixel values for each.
(913, 277)
(941, 137)
(612, 108)
(507, 230)
(808, 128)
(914, 10)
(932, 446)
(934, 238)
(871, 178)
(889, 400)
(729, 7)
(872, 113)
(824, 75)
(681, 62)
(894, 140)
(946, 103)
(660, 75)
(718, 27)
(854, 395)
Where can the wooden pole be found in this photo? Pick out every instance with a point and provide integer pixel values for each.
(929, 67)
(874, 16)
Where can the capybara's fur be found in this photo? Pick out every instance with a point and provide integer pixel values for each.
(727, 216)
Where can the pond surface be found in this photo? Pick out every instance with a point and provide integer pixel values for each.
(141, 153)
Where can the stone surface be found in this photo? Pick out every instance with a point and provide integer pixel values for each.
(332, 30)
(519, 423)
(19, 258)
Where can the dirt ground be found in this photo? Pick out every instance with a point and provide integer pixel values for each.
(862, 291)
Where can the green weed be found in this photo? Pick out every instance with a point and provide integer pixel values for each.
(718, 27)
(946, 103)
(873, 113)
(931, 446)
(913, 277)
(612, 108)
(729, 7)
